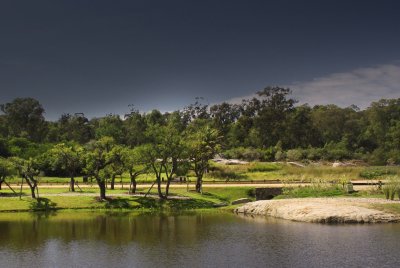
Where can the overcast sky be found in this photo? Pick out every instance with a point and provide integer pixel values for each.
(97, 57)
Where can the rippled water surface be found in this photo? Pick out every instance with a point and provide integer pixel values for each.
(194, 240)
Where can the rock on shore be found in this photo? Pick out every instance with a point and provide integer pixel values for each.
(322, 210)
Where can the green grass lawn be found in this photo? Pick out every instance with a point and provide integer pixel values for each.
(48, 200)
(321, 178)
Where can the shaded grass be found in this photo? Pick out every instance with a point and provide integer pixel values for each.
(207, 200)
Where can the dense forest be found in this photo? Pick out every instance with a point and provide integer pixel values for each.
(268, 127)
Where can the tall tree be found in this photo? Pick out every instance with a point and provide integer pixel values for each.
(163, 154)
(224, 115)
(135, 128)
(274, 107)
(75, 127)
(134, 164)
(110, 126)
(196, 110)
(96, 161)
(202, 145)
(25, 118)
(116, 166)
(29, 170)
(69, 158)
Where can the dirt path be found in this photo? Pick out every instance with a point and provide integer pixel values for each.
(191, 186)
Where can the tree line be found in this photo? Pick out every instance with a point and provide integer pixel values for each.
(270, 126)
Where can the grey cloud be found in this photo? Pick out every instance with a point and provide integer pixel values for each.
(359, 87)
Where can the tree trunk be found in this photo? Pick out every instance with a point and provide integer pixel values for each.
(33, 192)
(133, 185)
(102, 191)
(32, 186)
(199, 181)
(1, 182)
(102, 186)
(72, 184)
(112, 182)
(167, 188)
(160, 194)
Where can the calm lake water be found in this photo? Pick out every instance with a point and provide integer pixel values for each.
(194, 240)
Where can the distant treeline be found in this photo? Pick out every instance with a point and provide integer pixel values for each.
(267, 127)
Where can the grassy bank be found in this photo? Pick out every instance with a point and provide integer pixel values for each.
(181, 199)
(60, 198)
(325, 181)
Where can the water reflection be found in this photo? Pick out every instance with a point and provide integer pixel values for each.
(114, 229)
(196, 239)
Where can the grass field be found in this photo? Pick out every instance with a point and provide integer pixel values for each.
(259, 171)
(324, 181)
(60, 198)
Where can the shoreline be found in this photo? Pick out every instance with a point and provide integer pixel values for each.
(324, 210)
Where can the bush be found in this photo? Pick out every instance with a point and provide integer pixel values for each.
(249, 154)
(372, 173)
(336, 151)
(279, 156)
(378, 157)
(264, 167)
(391, 187)
(309, 191)
(294, 155)
(220, 173)
(313, 153)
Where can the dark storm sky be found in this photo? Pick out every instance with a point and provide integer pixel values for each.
(99, 56)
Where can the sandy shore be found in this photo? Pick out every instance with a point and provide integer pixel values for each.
(322, 210)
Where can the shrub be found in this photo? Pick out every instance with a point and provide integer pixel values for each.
(264, 167)
(313, 153)
(250, 154)
(391, 187)
(310, 191)
(294, 155)
(336, 151)
(372, 173)
(279, 156)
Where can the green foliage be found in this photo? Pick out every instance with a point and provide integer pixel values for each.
(391, 187)
(220, 173)
(110, 126)
(66, 158)
(24, 148)
(250, 154)
(267, 127)
(314, 153)
(42, 204)
(336, 151)
(294, 155)
(118, 203)
(4, 148)
(311, 191)
(264, 167)
(24, 117)
(373, 173)
(96, 157)
(7, 169)
(71, 128)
